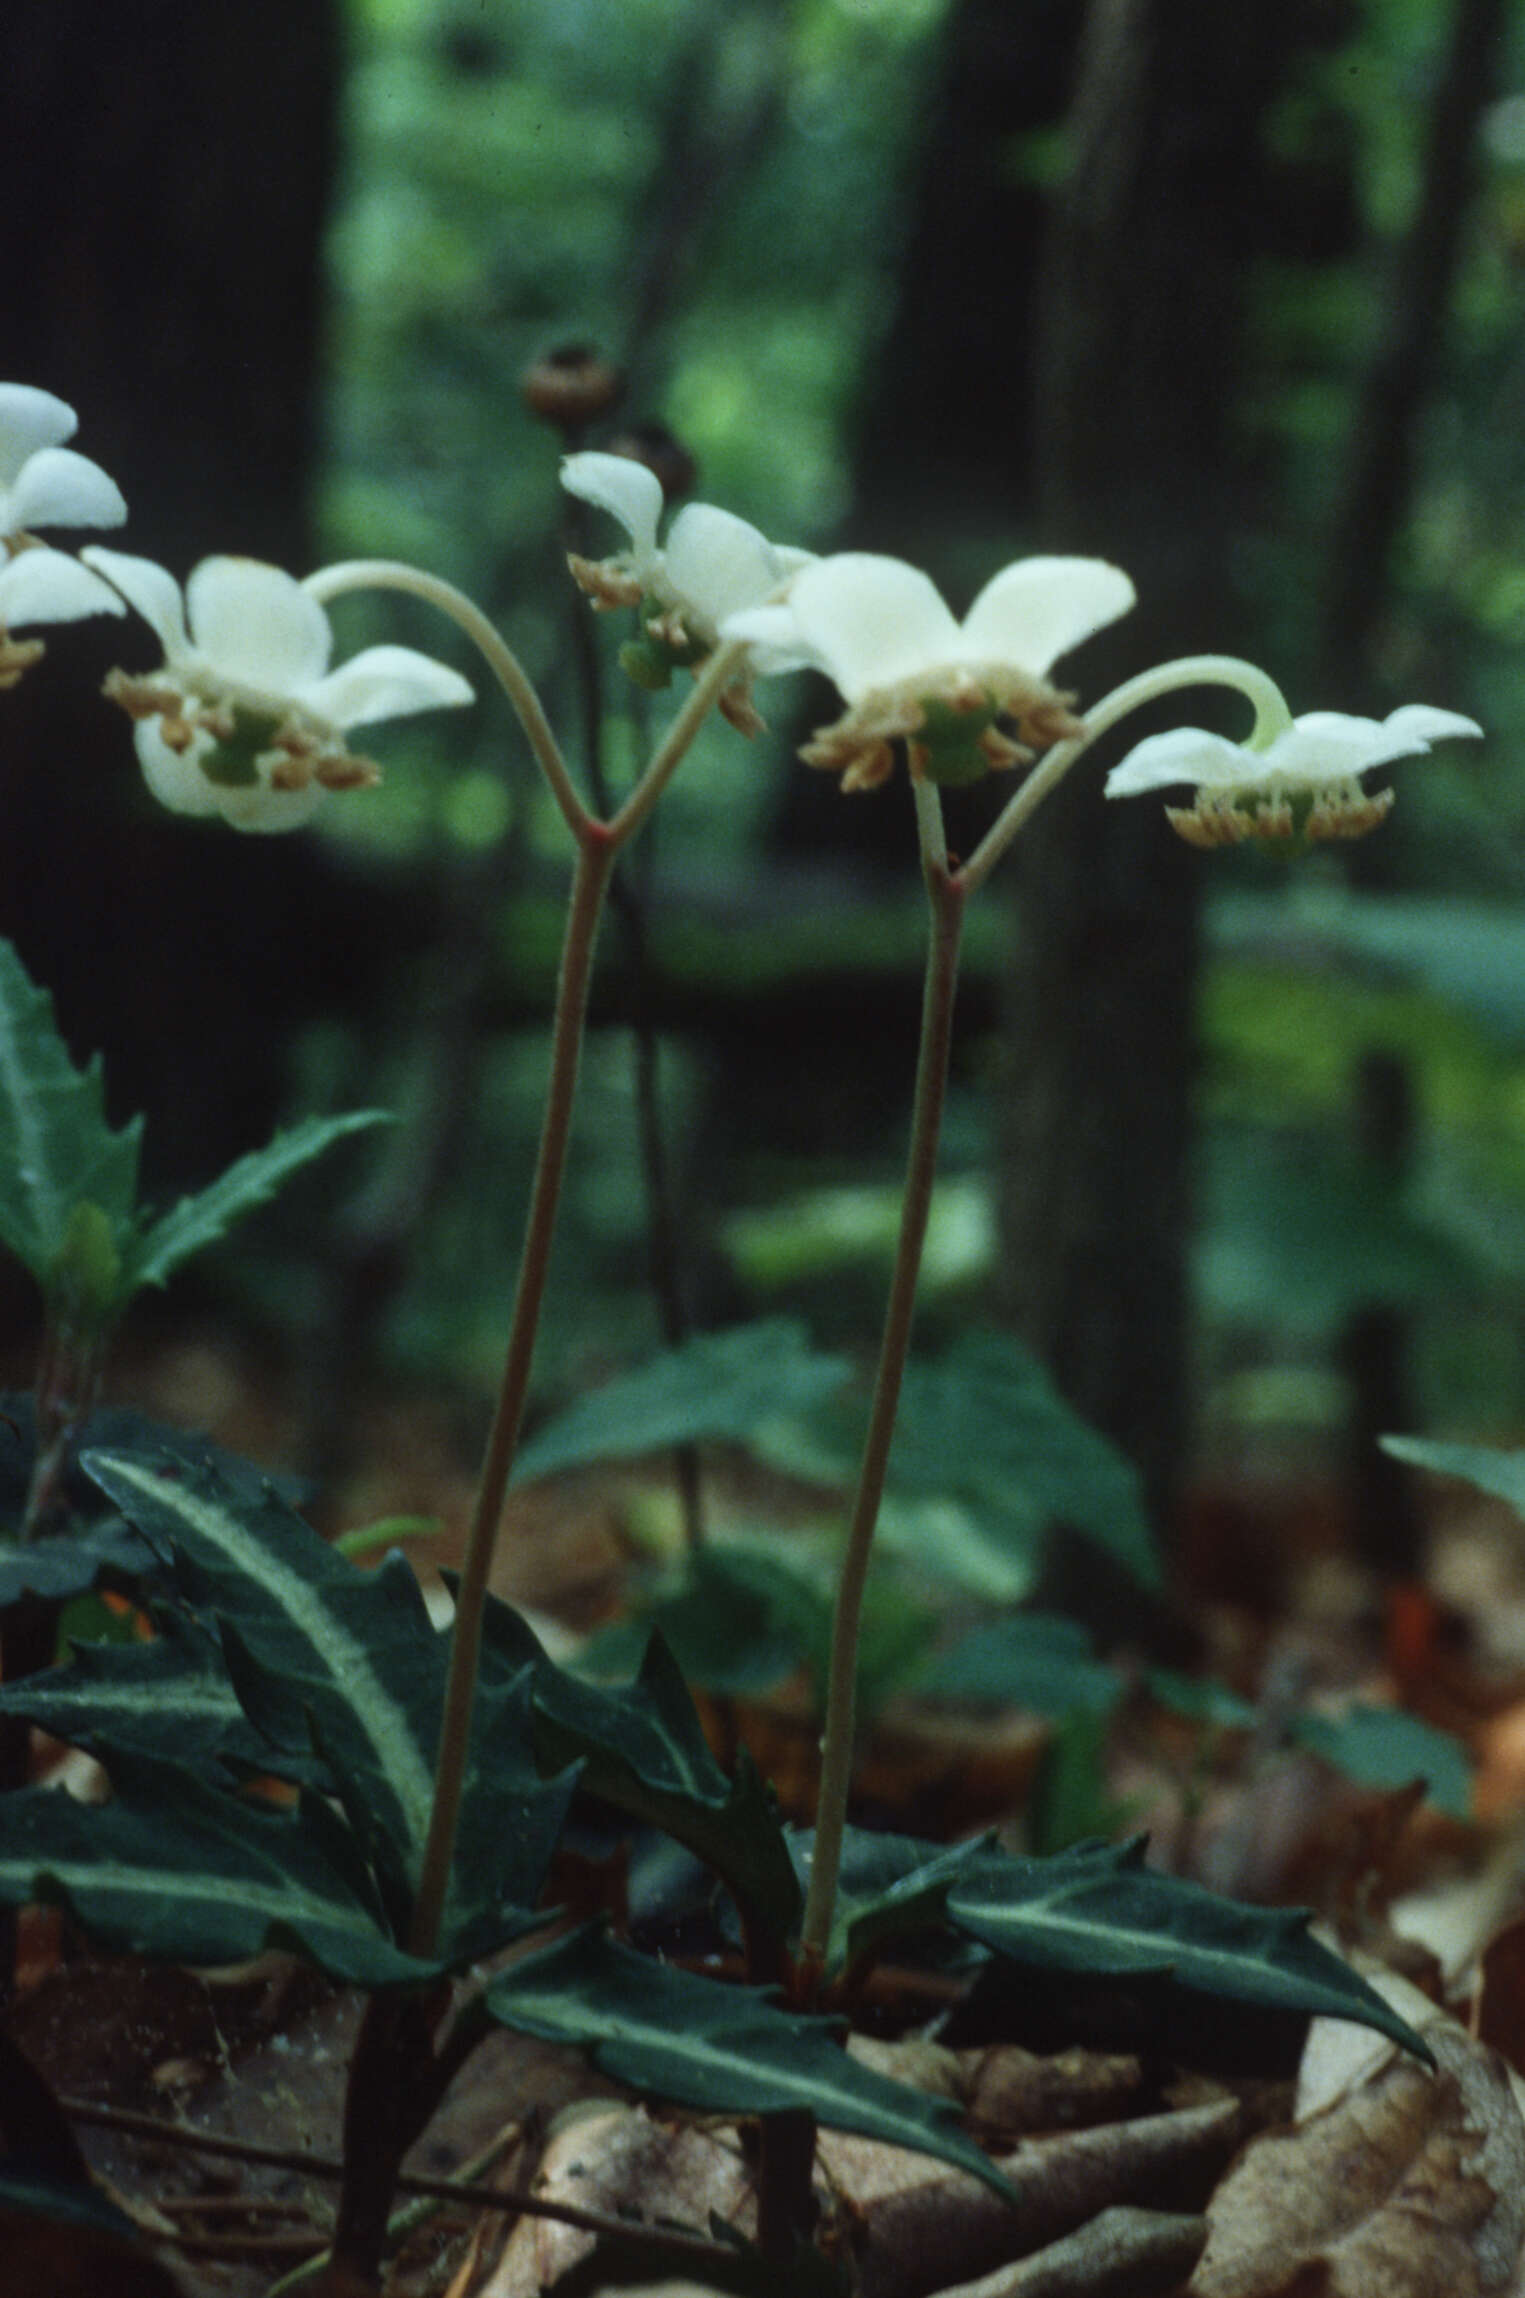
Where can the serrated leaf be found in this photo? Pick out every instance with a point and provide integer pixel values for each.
(889, 1886)
(1492, 1470)
(169, 1698)
(72, 1563)
(56, 1148)
(1098, 1909)
(330, 1661)
(321, 1640)
(718, 1386)
(176, 1870)
(199, 1220)
(717, 2049)
(643, 1749)
(737, 1619)
(1384, 1747)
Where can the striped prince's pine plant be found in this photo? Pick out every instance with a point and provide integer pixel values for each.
(298, 1757)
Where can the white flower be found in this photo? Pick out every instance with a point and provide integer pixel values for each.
(246, 719)
(1303, 785)
(46, 484)
(712, 566)
(881, 631)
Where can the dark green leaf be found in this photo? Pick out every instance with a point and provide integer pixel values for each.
(1501, 1473)
(162, 1245)
(718, 1386)
(56, 1148)
(70, 1563)
(1098, 1909)
(716, 2048)
(1383, 1747)
(170, 1698)
(332, 1661)
(643, 1749)
(891, 1886)
(177, 1870)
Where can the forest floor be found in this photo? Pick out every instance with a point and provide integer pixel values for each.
(1306, 2161)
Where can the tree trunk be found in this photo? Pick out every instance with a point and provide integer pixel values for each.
(166, 168)
(1139, 332)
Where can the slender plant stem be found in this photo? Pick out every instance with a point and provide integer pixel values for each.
(946, 894)
(595, 858)
(598, 843)
(1272, 717)
(722, 670)
(394, 574)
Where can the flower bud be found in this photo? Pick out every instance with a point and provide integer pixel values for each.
(571, 387)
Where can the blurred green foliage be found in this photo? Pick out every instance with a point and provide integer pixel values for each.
(718, 195)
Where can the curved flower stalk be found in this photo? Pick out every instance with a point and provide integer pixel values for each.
(246, 719)
(712, 566)
(43, 483)
(882, 632)
(1300, 786)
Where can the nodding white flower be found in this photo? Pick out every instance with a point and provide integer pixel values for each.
(882, 632)
(246, 719)
(712, 565)
(1301, 786)
(43, 483)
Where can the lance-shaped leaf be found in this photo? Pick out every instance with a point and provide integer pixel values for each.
(1098, 1909)
(180, 1871)
(318, 1650)
(326, 1658)
(170, 1698)
(643, 1749)
(888, 1886)
(1501, 1473)
(56, 1148)
(72, 1563)
(199, 1220)
(716, 2048)
(716, 1386)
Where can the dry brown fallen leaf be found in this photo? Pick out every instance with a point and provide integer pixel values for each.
(1393, 2183)
(915, 2227)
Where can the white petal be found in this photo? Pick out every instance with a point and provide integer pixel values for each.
(626, 489)
(44, 585)
(148, 588)
(717, 563)
(57, 488)
(1037, 609)
(1186, 754)
(385, 682)
(30, 419)
(869, 621)
(173, 775)
(774, 638)
(1428, 725)
(255, 623)
(1327, 745)
(267, 811)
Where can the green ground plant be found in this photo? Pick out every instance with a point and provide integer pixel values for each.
(428, 1776)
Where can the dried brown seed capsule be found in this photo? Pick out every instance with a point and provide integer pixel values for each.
(571, 387)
